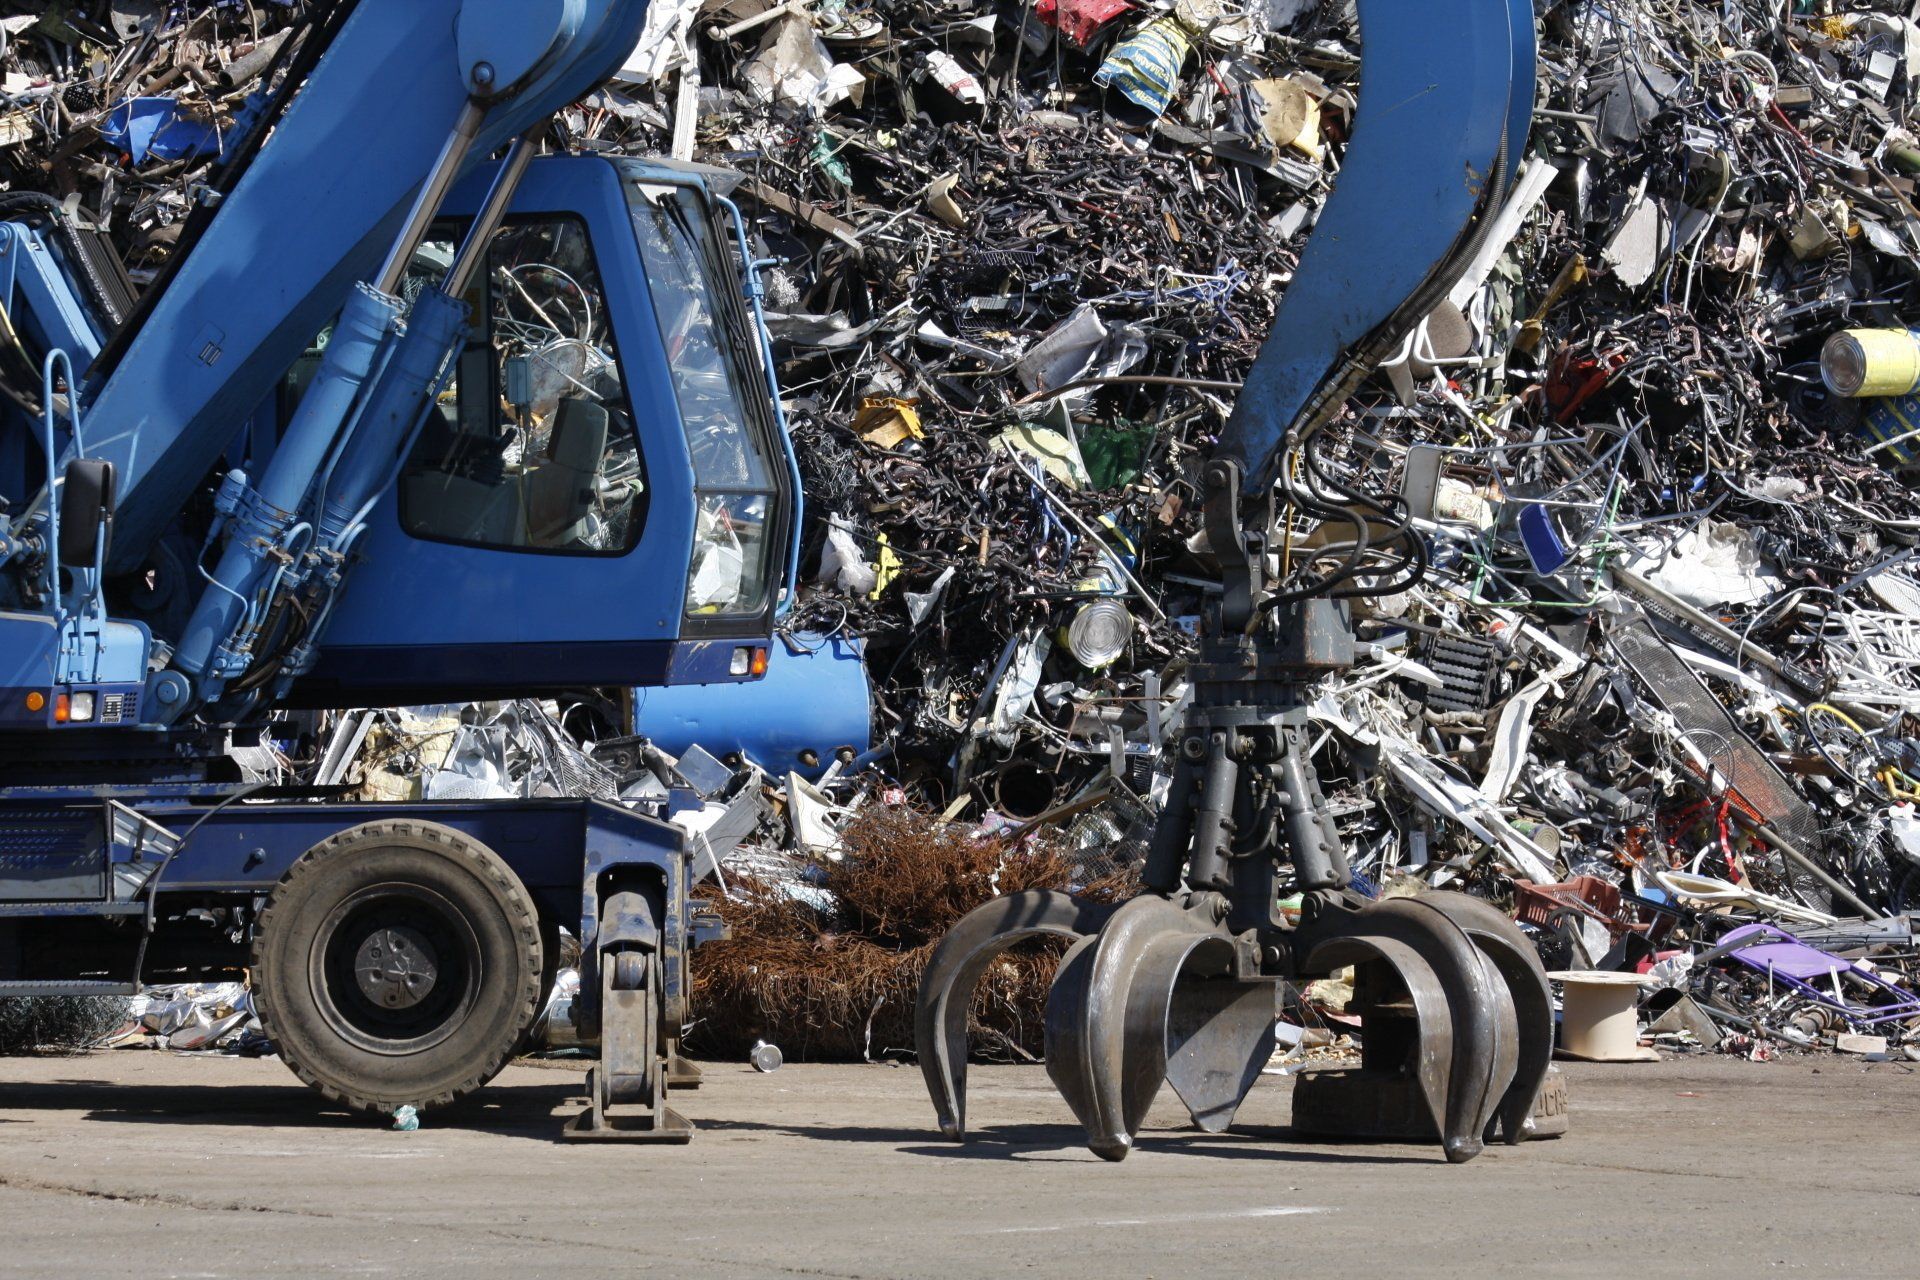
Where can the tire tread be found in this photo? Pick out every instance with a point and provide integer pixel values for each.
(469, 854)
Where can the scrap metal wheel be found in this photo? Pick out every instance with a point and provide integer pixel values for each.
(398, 963)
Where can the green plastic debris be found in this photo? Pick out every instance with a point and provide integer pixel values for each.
(1116, 453)
(826, 154)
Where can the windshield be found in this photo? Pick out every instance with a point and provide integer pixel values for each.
(724, 403)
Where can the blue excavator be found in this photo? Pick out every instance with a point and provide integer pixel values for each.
(412, 416)
(400, 423)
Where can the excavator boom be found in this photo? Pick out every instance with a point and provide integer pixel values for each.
(1446, 101)
(1181, 984)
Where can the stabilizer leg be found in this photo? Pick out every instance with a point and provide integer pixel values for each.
(627, 1088)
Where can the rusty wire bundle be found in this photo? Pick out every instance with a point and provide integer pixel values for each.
(58, 1024)
(832, 976)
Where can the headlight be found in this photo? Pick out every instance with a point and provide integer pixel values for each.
(730, 555)
(80, 707)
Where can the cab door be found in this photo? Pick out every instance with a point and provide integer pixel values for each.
(600, 495)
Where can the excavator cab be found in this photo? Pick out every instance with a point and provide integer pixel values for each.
(605, 477)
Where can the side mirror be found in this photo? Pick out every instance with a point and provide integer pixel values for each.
(86, 506)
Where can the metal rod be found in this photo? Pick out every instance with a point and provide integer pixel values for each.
(1127, 380)
(445, 169)
(758, 19)
(1038, 476)
(473, 250)
(1794, 855)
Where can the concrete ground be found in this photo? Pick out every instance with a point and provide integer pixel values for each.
(158, 1165)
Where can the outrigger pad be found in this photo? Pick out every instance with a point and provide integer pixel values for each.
(663, 1124)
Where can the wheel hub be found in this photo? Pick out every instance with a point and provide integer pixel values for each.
(396, 967)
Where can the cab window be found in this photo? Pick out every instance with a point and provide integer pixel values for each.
(724, 400)
(532, 445)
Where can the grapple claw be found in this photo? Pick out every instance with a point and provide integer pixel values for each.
(1176, 985)
(1479, 1041)
(1152, 999)
(1072, 1048)
(1430, 1056)
(940, 1021)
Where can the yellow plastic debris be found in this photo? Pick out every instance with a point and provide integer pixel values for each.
(887, 423)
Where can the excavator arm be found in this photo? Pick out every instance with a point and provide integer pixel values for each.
(1446, 101)
(1180, 984)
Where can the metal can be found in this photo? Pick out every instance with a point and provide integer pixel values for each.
(1860, 363)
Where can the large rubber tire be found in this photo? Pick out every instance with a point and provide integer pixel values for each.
(380, 1042)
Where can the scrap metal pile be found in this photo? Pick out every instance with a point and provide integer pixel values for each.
(121, 106)
(1662, 681)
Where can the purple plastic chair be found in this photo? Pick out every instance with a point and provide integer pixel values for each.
(1798, 967)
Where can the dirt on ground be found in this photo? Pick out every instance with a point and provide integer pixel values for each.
(164, 1165)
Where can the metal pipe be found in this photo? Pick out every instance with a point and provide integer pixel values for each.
(473, 250)
(1792, 853)
(759, 19)
(439, 179)
(1132, 380)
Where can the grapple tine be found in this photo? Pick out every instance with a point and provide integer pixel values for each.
(1433, 1057)
(1219, 1033)
(1072, 1054)
(1483, 1023)
(1518, 965)
(940, 1020)
(1107, 1019)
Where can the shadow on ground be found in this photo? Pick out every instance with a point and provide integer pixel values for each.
(1044, 1142)
(523, 1111)
(539, 1112)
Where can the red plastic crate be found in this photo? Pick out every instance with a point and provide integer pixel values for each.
(1591, 896)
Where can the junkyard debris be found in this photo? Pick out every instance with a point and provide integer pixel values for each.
(1662, 684)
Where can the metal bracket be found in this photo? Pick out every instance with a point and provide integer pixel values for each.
(1241, 552)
